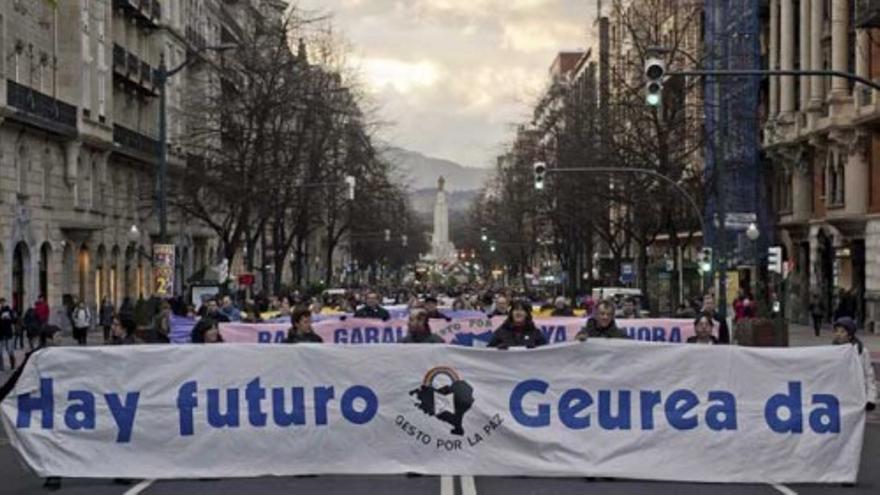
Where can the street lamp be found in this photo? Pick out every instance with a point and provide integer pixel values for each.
(752, 232)
(133, 234)
(162, 75)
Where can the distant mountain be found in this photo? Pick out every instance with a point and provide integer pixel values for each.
(421, 172)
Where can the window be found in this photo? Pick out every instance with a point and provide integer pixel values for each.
(835, 183)
(102, 64)
(86, 58)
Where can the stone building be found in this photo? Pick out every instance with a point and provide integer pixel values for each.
(822, 140)
(78, 141)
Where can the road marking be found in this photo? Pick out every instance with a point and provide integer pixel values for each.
(136, 489)
(784, 489)
(468, 486)
(447, 485)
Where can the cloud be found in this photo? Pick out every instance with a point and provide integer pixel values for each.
(454, 75)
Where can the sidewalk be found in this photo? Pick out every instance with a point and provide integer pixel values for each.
(802, 336)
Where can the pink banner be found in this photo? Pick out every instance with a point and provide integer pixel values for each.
(465, 331)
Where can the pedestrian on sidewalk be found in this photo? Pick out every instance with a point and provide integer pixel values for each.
(82, 321)
(7, 324)
(32, 325)
(105, 317)
(845, 333)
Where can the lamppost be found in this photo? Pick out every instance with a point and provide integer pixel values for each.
(752, 233)
(162, 75)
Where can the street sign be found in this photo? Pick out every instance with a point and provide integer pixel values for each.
(739, 221)
(627, 273)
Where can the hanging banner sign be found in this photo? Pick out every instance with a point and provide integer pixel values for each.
(472, 332)
(604, 408)
(163, 269)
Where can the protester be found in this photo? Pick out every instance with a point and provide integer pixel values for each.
(105, 317)
(629, 310)
(82, 321)
(502, 307)
(602, 324)
(126, 309)
(418, 330)
(518, 330)
(372, 309)
(229, 309)
(301, 330)
(213, 312)
(703, 331)
(561, 307)
(206, 331)
(123, 332)
(431, 309)
(723, 329)
(7, 325)
(817, 314)
(160, 329)
(845, 333)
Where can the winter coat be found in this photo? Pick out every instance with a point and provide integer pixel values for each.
(509, 335)
(7, 321)
(106, 315)
(377, 313)
(592, 331)
(82, 317)
(294, 337)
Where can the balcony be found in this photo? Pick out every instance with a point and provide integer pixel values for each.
(119, 58)
(41, 109)
(136, 142)
(133, 71)
(146, 13)
(867, 14)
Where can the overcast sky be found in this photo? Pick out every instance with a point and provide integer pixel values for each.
(452, 76)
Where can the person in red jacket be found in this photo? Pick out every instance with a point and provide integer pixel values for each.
(41, 307)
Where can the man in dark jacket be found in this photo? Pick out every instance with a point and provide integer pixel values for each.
(518, 330)
(301, 331)
(418, 331)
(561, 307)
(372, 309)
(602, 324)
(8, 317)
(431, 309)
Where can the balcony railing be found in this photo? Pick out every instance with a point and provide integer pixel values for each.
(134, 63)
(40, 105)
(145, 12)
(134, 140)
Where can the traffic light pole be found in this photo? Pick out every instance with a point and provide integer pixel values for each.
(759, 72)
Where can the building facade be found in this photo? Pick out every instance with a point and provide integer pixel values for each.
(821, 137)
(79, 142)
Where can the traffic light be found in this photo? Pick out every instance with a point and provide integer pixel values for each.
(540, 173)
(387, 235)
(655, 69)
(774, 259)
(492, 247)
(484, 234)
(705, 260)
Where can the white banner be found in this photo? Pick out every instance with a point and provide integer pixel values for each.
(603, 408)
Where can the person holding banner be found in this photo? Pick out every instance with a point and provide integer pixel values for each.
(518, 330)
(703, 329)
(372, 309)
(602, 324)
(502, 307)
(206, 331)
(301, 331)
(122, 332)
(431, 309)
(418, 331)
(845, 333)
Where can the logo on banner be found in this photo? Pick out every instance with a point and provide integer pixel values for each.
(462, 397)
(444, 396)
